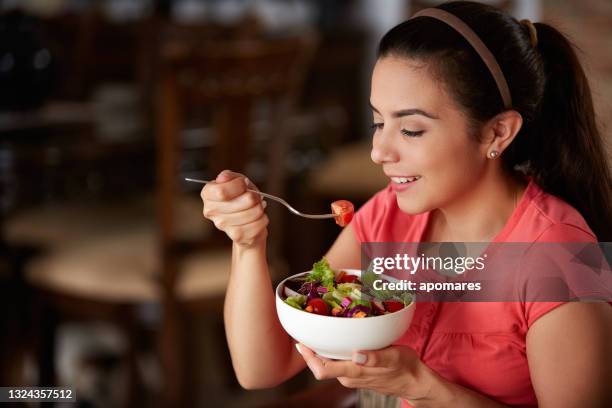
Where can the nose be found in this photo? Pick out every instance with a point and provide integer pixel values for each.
(383, 150)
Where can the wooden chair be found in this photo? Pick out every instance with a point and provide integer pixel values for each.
(85, 51)
(106, 262)
(233, 81)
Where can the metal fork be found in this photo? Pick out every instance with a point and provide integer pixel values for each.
(277, 199)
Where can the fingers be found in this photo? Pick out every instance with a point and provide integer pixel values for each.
(250, 185)
(238, 219)
(227, 175)
(234, 210)
(241, 203)
(349, 382)
(227, 186)
(388, 357)
(324, 368)
(375, 362)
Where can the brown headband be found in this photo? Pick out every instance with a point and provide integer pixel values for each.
(478, 46)
(533, 33)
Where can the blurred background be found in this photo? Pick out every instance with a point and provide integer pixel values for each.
(111, 281)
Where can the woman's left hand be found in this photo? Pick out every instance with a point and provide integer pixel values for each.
(395, 370)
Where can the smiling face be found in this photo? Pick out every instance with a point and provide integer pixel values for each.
(421, 138)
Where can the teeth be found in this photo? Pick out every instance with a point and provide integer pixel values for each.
(402, 180)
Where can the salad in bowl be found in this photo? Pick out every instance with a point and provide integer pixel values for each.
(336, 312)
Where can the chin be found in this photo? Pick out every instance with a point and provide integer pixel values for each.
(411, 206)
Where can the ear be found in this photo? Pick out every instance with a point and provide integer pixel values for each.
(501, 130)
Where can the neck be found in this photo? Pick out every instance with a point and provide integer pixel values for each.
(481, 213)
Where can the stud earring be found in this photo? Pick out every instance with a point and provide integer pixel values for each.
(493, 154)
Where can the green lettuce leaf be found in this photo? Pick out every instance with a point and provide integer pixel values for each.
(322, 273)
(297, 301)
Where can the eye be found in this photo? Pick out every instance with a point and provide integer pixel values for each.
(411, 133)
(376, 126)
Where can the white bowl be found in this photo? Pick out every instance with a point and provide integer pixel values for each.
(337, 337)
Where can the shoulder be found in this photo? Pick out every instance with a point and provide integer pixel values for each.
(551, 219)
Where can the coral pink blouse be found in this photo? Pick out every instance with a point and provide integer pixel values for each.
(479, 345)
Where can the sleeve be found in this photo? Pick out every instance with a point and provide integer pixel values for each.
(571, 238)
(535, 310)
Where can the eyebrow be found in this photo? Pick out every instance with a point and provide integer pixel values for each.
(406, 112)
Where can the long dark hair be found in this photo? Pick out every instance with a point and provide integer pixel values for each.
(559, 144)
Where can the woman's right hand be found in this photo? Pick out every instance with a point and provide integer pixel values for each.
(234, 210)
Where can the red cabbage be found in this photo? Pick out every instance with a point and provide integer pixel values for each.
(358, 308)
(310, 290)
(346, 301)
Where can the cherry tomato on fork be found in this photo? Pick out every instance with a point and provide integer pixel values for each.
(344, 211)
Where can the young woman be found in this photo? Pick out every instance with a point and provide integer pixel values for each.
(462, 96)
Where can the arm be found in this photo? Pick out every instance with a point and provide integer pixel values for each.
(569, 350)
(263, 354)
(570, 356)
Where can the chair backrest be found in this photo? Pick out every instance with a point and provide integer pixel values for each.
(232, 82)
(84, 47)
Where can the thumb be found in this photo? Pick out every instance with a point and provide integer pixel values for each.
(250, 184)
(387, 357)
(226, 175)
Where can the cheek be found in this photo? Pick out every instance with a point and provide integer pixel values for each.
(450, 155)
(448, 170)
(451, 163)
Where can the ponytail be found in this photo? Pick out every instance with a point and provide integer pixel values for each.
(566, 154)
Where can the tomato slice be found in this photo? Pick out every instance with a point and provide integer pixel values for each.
(393, 305)
(340, 276)
(318, 306)
(346, 278)
(344, 211)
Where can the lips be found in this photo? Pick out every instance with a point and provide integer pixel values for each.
(404, 180)
(401, 183)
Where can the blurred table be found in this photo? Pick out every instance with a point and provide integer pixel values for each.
(56, 115)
